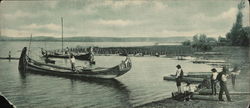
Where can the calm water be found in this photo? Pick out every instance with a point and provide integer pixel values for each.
(143, 84)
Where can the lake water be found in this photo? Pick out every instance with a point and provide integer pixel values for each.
(142, 84)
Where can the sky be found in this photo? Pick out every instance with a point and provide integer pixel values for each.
(119, 18)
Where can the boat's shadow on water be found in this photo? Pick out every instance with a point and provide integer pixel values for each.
(118, 86)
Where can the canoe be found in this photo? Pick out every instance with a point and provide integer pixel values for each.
(185, 79)
(208, 61)
(27, 64)
(209, 53)
(12, 58)
(79, 56)
(199, 74)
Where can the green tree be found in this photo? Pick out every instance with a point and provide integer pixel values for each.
(234, 36)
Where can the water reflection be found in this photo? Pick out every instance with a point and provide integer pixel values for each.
(117, 87)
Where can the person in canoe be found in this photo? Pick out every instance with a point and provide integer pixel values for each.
(43, 52)
(222, 78)
(127, 61)
(67, 50)
(72, 62)
(213, 80)
(178, 77)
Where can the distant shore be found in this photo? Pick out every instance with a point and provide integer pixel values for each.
(98, 39)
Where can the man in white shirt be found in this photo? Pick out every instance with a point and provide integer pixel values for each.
(72, 61)
(213, 80)
(234, 73)
(222, 77)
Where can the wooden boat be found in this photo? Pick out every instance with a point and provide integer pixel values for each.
(208, 61)
(199, 74)
(209, 53)
(47, 60)
(9, 58)
(27, 64)
(79, 56)
(185, 79)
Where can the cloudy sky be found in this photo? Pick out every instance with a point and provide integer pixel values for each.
(119, 18)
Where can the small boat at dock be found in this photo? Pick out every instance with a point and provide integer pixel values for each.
(208, 61)
(199, 74)
(26, 64)
(10, 58)
(209, 53)
(184, 79)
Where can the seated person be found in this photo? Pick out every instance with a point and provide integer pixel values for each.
(188, 92)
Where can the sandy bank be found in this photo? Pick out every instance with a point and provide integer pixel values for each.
(239, 101)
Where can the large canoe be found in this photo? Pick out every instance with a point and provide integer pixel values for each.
(27, 64)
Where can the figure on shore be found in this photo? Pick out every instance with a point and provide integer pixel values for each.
(9, 54)
(234, 73)
(179, 76)
(213, 80)
(72, 62)
(222, 78)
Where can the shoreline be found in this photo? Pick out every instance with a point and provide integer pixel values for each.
(237, 56)
(239, 101)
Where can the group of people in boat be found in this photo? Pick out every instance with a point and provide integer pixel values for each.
(216, 77)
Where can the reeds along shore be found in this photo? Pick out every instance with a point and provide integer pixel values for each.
(139, 51)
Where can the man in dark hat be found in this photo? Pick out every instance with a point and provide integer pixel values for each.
(222, 78)
(179, 75)
(213, 80)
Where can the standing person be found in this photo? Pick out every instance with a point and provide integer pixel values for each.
(179, 75)
(9, 54)
(213, 80)
(234, 72)
(67, 50)
(72, 62)
(91, 56)
(222, 78)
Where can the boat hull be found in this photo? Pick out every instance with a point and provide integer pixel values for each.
(28, 65)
